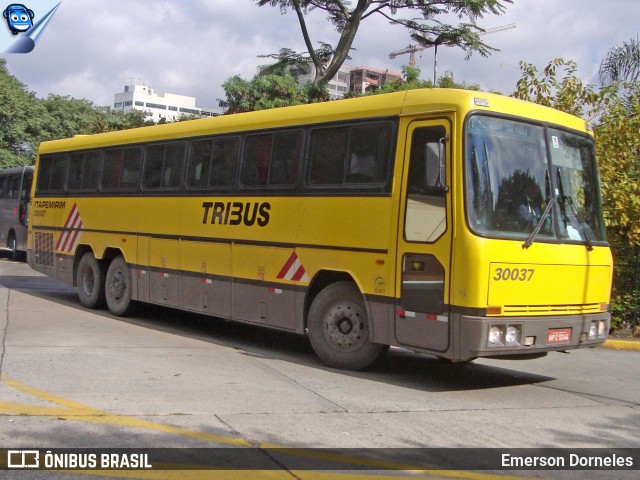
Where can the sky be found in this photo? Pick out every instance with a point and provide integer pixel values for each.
(92, 48)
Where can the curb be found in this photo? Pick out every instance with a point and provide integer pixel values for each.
(632, 345)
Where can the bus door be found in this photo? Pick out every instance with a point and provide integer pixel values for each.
(424, 238)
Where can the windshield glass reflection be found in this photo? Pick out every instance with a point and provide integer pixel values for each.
(508, 185)
(510, 182)
(577, 185)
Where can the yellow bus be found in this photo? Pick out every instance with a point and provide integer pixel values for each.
(455, 223)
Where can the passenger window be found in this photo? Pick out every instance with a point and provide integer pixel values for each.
(44, 173)
(350, 155)
(272, 159)
(58, 173)
(368, 153)
(163, 166)
(212, 163)
(84, 169)
(13, 187)
(327, 156)
(121, 169)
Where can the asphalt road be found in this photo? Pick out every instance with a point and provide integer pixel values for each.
(73, 378)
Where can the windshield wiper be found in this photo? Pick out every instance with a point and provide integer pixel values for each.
(587, 239)
(536, 230)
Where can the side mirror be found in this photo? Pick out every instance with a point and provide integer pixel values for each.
(435, 155)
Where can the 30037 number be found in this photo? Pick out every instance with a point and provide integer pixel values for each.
(514, 274)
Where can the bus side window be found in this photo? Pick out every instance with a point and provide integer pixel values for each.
(58, 173)
(130, 169)
(368, 152)
(256, 158)
(355, 155)
(173, 165)
(283, 169)
(27, 180)
(153, 166)
(13, 186)
(44, 173)
(91, 171)
(76, 166)
(327, 155)
(121, 169)
(223, 162)
(200, 163)
(212, 163)
(111, 167)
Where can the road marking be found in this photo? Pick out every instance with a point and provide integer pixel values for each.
(71, 410)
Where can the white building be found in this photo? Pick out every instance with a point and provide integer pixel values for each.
(337, 87)
(159, 105)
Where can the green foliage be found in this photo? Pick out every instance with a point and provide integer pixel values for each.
(21, 119)
(268, 91)
(567, 93)
(622, 63)
(615, 110)
(411, 80)
(26, 120)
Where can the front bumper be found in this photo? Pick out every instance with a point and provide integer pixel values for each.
(537, 334)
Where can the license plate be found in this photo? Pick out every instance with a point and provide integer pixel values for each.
(559, 335)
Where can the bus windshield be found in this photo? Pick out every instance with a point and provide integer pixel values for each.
(511, 182)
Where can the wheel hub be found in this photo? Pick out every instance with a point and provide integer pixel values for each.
(345, 328)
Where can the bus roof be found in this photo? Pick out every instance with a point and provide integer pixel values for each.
(411, 102)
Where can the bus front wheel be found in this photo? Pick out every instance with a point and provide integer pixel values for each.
(118, 288)
(90, 280)
(339, 329)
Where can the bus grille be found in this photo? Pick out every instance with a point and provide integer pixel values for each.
(552, 309)
(43, 243)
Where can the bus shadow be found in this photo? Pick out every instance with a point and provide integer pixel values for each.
(398, 367)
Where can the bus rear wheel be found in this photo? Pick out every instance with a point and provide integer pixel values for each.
(90, 279)
(339, 328)
(118, 288)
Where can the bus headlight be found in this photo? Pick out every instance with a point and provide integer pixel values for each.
(513, 335)
(504, 335)
(593, 331)
(602, 329)
(496, 336)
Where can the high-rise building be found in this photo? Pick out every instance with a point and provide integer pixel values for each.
(364, 79)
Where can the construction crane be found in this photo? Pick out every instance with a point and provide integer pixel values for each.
(412, 49)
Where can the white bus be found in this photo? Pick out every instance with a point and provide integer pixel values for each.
(15, 191)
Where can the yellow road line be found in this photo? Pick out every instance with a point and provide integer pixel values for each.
(82, 413)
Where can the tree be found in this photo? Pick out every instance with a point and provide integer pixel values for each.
(21, 120)
(616, 114)
(622, 63)
(347, 19)
(69, 116)
(268, 91)
(411, 80)
(568, 93)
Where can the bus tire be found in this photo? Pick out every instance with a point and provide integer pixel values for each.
(118, 288)
(90, 279)
(339, 328)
